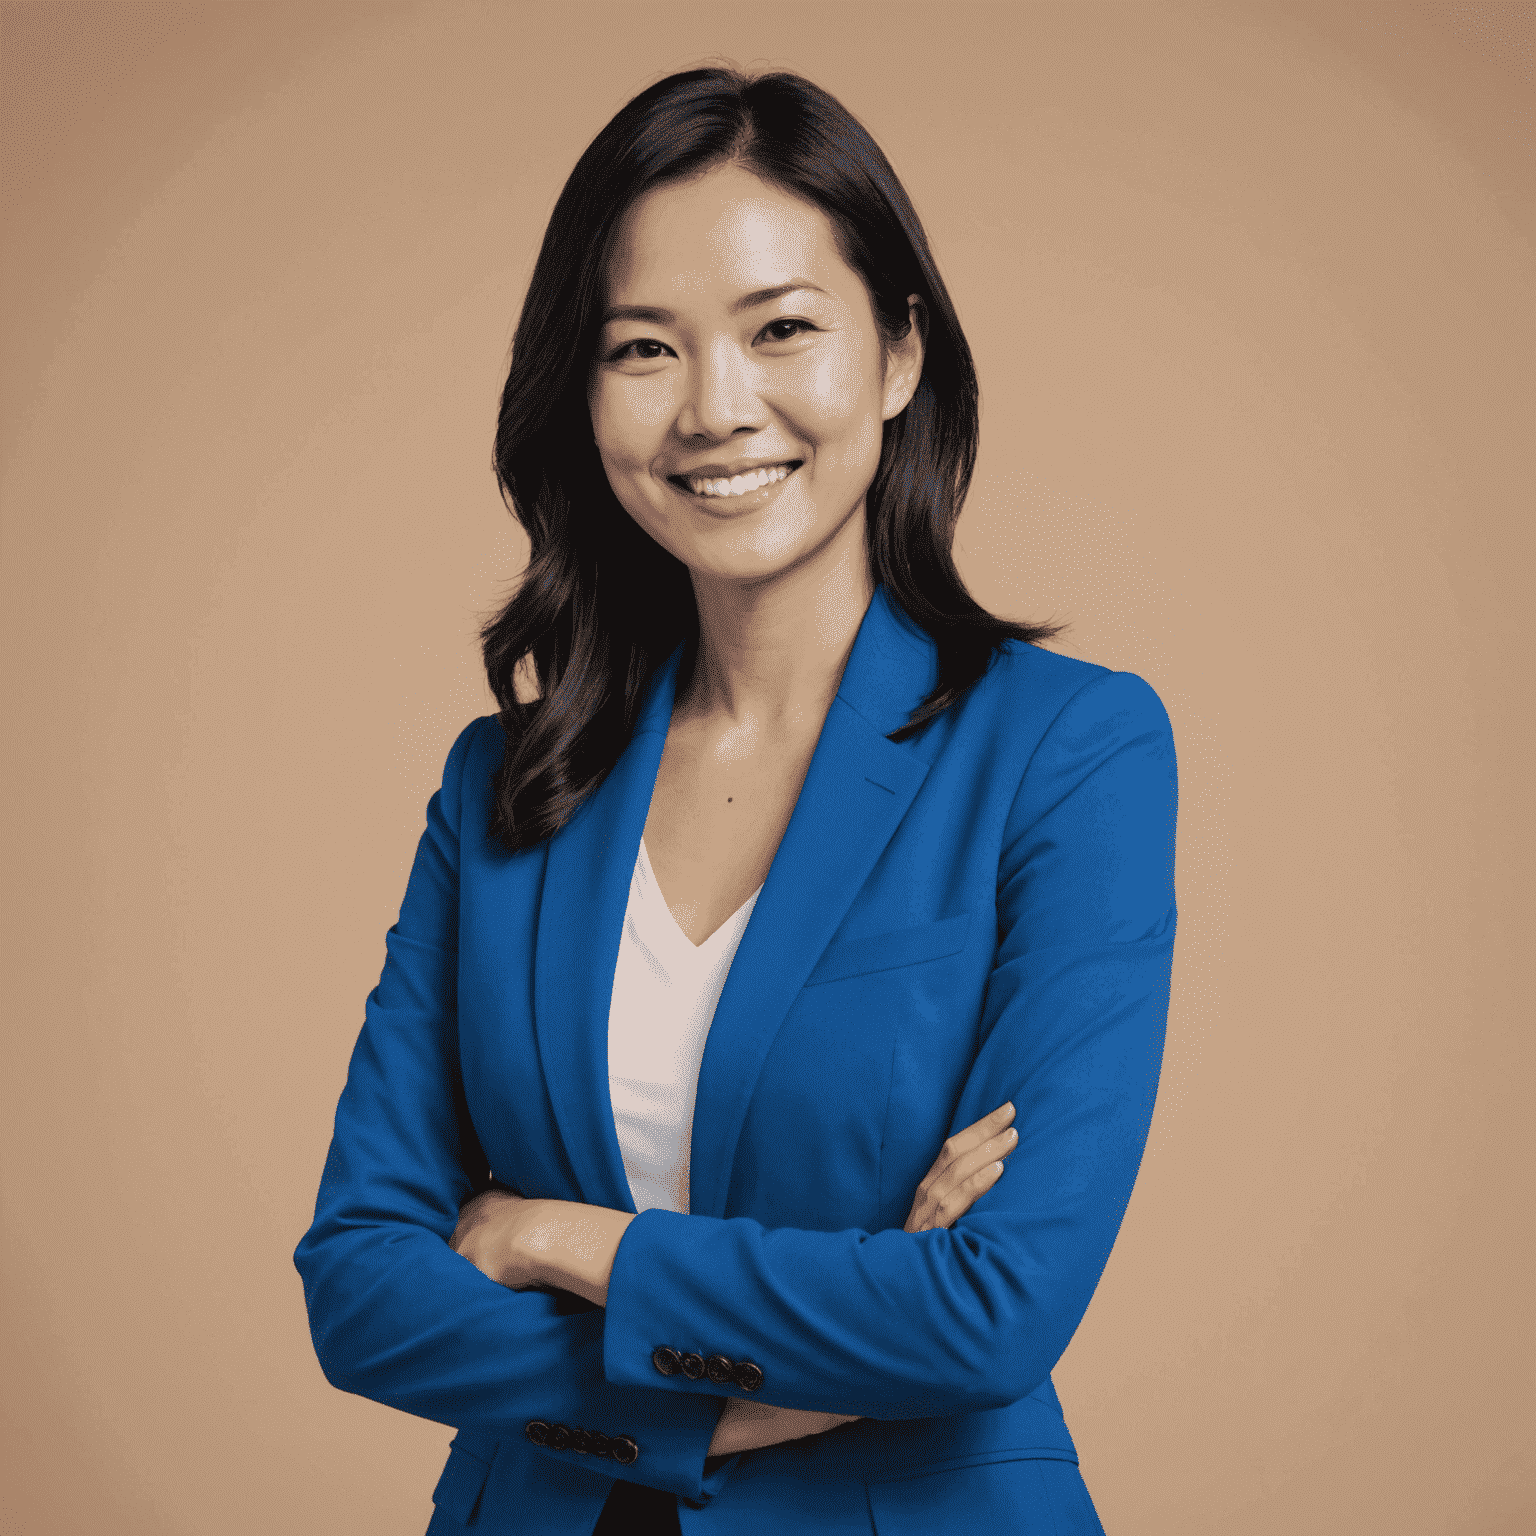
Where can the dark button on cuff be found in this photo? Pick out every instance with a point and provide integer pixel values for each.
(585, 1442)
(720, 1370)
(667, 1361)
(749, 1377)
(693, 1366)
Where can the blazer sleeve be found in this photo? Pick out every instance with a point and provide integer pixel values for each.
(893, 1325)
(396, 1315)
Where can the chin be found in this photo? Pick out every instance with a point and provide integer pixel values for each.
(770, 550)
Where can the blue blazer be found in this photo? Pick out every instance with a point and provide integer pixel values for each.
(983, 912)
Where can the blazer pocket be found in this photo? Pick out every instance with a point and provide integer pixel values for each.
(887, 951)
(463, 1481)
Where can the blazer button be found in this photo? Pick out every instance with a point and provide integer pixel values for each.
(581, 1442)
(720, 1370)
(624, 1450)
(598, 1443)
(666, 1360)
(749, 1377)
(537, 1431)
(559, 1437)
(693, 1366)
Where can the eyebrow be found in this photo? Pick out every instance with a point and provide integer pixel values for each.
(746, 301)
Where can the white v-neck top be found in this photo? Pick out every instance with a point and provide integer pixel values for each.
(665, 990)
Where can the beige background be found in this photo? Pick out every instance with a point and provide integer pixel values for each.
(1251, 293)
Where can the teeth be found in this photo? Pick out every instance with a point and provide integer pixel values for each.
(738, 485)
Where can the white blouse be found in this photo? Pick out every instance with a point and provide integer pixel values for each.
(665, 990)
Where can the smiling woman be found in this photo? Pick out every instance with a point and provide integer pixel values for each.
(797, 296)
(803, 894)
(739, 419)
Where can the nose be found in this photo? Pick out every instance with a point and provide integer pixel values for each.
(722, 396)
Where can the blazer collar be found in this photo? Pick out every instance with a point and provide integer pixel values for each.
(856, 791)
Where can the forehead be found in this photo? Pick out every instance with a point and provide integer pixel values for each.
(720, 234)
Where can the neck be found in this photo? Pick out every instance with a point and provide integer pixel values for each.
(775, 650)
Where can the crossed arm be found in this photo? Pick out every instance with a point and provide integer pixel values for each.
(562, 1245)
(1072, 1031)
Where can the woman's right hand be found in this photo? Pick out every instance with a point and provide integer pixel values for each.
(968, 1165)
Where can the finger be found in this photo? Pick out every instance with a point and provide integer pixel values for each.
(947, 1173)
(993, 1149)
(987, 1126)
(960, 1199)
(946, 1210)
(963, 1144)
(966, 1141)
(944, 1183)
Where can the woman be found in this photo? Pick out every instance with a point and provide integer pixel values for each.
(799, 867)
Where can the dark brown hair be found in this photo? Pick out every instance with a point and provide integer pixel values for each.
(601, 603)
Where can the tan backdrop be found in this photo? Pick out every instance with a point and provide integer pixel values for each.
(1250, 290)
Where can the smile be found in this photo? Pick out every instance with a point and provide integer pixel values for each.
(737, 485)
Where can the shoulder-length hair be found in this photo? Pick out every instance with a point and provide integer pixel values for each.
(601, 604)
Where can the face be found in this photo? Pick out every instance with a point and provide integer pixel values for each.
(738, 388)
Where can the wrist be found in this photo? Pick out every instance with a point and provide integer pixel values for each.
(570, 1247)
(744, 1425)
(528, 1246)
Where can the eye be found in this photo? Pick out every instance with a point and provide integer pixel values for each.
(651, 350)
(772, 333)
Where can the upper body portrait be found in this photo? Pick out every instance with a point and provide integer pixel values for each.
(767, 1046)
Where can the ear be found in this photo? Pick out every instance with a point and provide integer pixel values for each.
(904, 361)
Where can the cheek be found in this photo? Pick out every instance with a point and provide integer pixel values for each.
(629, 417)
(844, 398)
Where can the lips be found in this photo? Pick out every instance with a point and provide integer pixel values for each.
(717, 483)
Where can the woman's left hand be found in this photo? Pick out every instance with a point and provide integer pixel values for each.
(489, 1235)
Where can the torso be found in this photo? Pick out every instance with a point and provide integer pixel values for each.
(718, 814)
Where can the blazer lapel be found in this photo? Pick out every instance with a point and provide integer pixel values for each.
(581, 920)
(856, 791)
